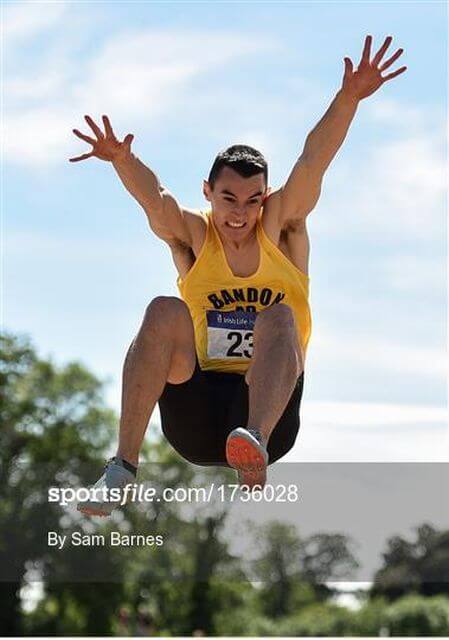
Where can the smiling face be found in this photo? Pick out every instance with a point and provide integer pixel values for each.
(236, 202)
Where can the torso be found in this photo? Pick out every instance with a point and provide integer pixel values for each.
(292, 241)
(224, 290)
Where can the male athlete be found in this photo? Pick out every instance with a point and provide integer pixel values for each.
(225, 362)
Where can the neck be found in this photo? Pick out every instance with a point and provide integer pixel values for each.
(238, 245)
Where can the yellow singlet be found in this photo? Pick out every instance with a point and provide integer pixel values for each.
(224, 306)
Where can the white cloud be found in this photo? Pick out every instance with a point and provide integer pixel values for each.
(371, 432)
(393, 113)
(139, 78)
(24, 20)
(396, 190)
(410, 273)
(140, 74)
(411, 173)
(47, 83)
(370, 414)
(33, 245)
(372, 353)
(37, 136)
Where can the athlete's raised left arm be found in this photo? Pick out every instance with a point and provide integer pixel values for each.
(300, 193)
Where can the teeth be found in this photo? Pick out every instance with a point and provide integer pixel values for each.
(235, 225)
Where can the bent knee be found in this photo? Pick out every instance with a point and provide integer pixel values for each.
(167, 313)
(278, 318)
(165, 308)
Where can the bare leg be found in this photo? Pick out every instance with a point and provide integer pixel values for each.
(276, 364)
(163, 350)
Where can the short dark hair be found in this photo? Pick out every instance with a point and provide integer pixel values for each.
(244, 160)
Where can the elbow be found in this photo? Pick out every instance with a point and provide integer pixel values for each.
(153, 209)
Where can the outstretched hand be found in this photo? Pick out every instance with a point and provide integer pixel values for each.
(368, 77)
(105, 146)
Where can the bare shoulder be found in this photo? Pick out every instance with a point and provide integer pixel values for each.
(197, 226)
(291, 238)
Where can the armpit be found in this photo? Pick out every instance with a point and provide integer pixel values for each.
(197, 226)
(183, 257)
(294, 244)
(296, 225)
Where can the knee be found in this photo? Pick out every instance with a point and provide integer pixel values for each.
(165, 313)
(277, 320)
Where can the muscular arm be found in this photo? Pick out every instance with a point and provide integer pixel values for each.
(165, 216)
(302, 189)
(140, 181)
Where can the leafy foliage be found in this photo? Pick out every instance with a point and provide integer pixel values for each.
(419, 566)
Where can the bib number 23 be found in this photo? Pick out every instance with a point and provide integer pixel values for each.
(241, 344)
(230, 334)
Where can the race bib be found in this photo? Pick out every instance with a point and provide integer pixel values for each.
(230, 334)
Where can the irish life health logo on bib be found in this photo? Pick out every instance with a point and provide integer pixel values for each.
(230, 334)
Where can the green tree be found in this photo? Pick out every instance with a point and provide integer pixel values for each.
(53, 419)
(327, 556)
(293, 570)
(320, 620)
(414, 566)
(277, 567)
(370, 619)
(418, 616)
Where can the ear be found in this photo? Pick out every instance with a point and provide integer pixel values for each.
(206, 190)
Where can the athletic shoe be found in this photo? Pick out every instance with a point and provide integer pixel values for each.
(246, 453)
(116, 476)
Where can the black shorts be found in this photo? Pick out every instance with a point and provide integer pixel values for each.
(198, 415)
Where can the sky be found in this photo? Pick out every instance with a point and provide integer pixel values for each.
(80, 264)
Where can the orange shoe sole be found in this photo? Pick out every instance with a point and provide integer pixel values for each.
(248, 460)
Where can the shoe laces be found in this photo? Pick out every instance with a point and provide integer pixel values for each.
(256, 433)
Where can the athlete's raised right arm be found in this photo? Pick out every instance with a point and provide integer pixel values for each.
(165, 216)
